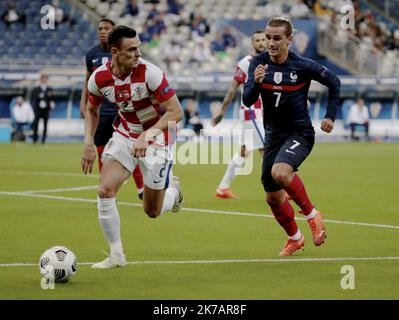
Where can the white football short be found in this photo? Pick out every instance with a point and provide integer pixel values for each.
(156, 166)
(252, 134)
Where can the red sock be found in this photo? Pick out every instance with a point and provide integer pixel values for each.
(297, 191)
(100, 150)
(284, 214)
(138, 177)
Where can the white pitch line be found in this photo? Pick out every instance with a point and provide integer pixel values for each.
(41, 173)
(248, 214)
(61, 190)
(30, 264)
(43, 196)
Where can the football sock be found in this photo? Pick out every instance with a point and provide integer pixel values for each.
(235, 164)
(100, 150)
(297, 191)
(312, 214)
(116, 248)
(138, 179)
(284, 214)
(108, 216)
(169, 200)
(296, 236)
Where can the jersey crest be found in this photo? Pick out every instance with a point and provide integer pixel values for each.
(278, 77)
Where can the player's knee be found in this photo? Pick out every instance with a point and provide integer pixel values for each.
(273, 201)
(152, 212)
(282, 177)
(106, 192)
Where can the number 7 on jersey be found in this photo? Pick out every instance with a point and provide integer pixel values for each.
(278, 98)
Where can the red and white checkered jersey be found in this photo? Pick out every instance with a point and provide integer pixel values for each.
(138, 96)
(241, 76)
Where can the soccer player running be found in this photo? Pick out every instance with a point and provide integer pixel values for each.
(95, 57)
(251, 118)
(147, 103)
(283, 77)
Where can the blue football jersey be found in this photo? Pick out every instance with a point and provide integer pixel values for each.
(284, 92)
(95, 58)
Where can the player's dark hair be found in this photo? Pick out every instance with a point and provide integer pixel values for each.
(118, 33)
(281, 22)
(259, 31)
(107, 20)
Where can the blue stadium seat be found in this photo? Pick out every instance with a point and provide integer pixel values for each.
(2, 26)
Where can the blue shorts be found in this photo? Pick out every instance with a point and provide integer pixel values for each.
(104, 131)
(292, 150)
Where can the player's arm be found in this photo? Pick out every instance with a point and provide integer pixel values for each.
(332, 82)
(91, 123)
(83, 98)
(92, 118)
(174, 113)
(252, 88)
(231, 93)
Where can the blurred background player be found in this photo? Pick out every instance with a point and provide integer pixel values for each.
(283, 78)
(97, 56)
(42, 105)
(141, 138)
(251, 118)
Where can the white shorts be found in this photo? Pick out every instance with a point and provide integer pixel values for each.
(156, 166)
(252, 134)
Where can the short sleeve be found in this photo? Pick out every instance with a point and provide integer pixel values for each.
(95, 96)
(158, 84)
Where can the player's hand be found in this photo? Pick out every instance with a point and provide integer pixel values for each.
(88, 158)
(327, 125)
(140, 146)
(217, 119)
(260, 73)
(82, 110)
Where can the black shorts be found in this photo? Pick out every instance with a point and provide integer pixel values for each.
(292, 150)
(104, 131)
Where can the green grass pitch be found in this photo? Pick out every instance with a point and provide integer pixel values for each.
(213, 248)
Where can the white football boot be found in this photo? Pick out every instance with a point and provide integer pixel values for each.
(113, 261)
(179, 199)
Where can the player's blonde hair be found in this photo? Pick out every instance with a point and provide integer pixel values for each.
(282, 22)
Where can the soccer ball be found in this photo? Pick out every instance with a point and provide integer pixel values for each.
(59, 262)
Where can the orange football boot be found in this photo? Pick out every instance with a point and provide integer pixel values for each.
(318, 229)
(225, 194)
(292, 245)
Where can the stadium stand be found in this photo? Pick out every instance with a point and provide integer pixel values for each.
(189, 47)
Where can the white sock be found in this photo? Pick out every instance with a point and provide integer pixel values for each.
(234, 165)
(296, 236)
(116, 248)
(108, 216)
(169, 200)
(312, 214)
